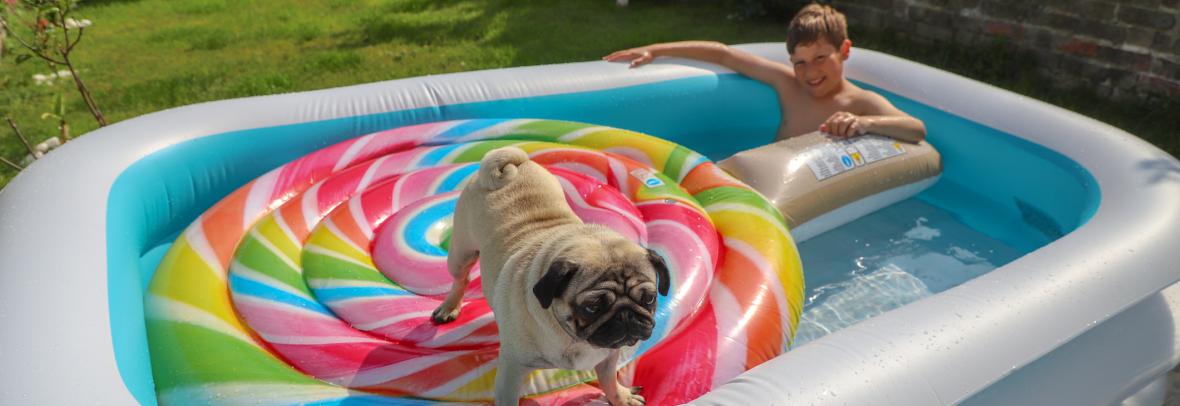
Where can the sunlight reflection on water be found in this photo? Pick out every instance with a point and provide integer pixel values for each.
(885, 260)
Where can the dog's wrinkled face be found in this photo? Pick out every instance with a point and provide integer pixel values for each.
(605, 298)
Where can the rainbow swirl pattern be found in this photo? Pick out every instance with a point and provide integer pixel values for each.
(314, 283)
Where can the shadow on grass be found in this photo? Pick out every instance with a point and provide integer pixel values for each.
(194, 38)
(543, 31)
(187, 88)
(333, 61)
(425, 23)
(105, 2)
(172, 90)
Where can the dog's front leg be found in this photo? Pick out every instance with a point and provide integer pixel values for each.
(608, 379)
(509, 377)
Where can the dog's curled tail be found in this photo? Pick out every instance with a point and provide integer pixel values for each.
(499, 166)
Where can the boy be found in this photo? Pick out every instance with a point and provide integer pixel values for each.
(813, 93)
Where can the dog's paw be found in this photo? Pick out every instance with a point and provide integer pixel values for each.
(627, 397)
(442, 316)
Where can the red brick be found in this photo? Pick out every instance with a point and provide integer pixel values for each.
(1161, 42)
(1096, 73)
(1070, 65)
(934, 32)
(1141, 3)
(1059, 20)
(1079, 47)
(1090, 9)
(1159, 86)
(1125, 80)
(1120, 57)
(863, 16)
(971, 38)
(900, 8)
(1166, 68)
(932, 15)
(1145, 17)
(1043, 38)
(1101, 30)
(1014, 10)
(877, 4)
(1140, 37)
(1003, 29)
(962, 4)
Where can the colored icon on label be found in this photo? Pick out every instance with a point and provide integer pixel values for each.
(648, 178)
(846, 161)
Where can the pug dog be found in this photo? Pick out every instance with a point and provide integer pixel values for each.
(564, 294)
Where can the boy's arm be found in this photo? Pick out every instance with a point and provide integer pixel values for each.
(764, 70)
(879, 116)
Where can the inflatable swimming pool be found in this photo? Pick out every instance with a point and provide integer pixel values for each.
(1082, 312)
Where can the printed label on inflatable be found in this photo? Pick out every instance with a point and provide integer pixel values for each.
(838, 156)
(648, 178)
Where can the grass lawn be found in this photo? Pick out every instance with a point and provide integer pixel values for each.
(142, 56)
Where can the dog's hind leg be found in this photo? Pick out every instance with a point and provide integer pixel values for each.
(509, 378)
(460, 259)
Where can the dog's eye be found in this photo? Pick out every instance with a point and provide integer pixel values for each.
(647, 298)
(591, 308)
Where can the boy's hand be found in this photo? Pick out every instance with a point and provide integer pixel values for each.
(844, 124)
(637, 56)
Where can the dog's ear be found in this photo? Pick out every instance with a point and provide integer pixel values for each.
(664, 279)
(554, 282)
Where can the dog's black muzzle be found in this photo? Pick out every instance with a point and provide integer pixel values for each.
(625, 327)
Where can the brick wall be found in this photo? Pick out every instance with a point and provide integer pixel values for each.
(1125, 49)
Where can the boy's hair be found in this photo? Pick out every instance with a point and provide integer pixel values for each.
(814, 22)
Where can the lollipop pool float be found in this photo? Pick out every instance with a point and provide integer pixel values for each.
(315, 282)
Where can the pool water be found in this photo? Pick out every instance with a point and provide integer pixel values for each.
(999, 198)
(892, 257)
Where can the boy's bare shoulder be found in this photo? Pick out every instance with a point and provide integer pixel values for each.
(870, 102)
(862, 95)
(771, 72)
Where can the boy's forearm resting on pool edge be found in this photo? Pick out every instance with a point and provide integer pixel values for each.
(708, 51)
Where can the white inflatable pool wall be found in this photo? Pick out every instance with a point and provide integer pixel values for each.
(1079, 321)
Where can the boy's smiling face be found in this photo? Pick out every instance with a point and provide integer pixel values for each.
(819, 67)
